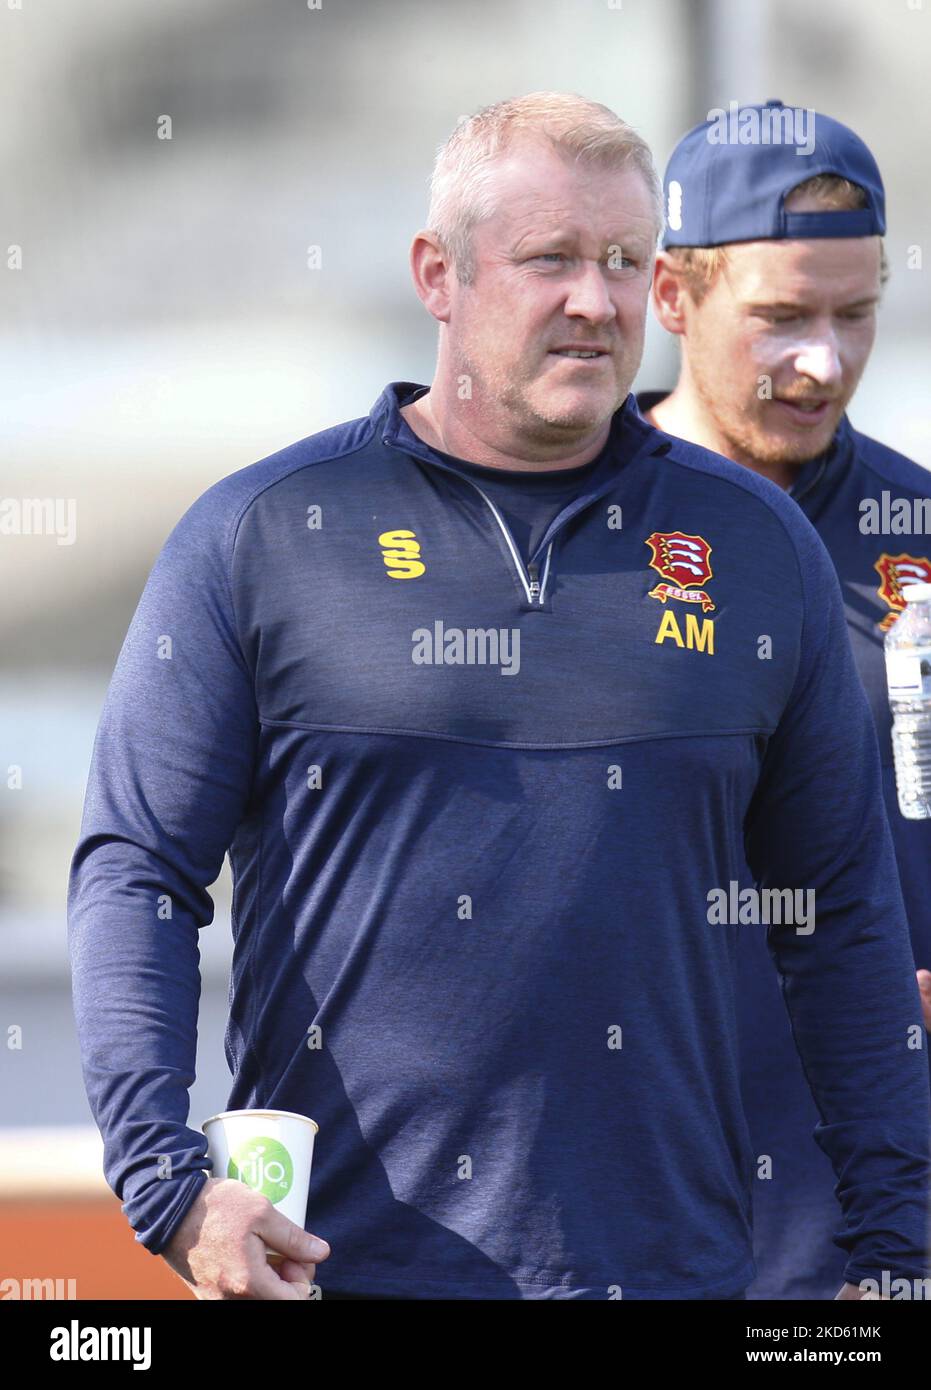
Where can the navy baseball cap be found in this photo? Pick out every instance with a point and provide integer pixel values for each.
(727, 180)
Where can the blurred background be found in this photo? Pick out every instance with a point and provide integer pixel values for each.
(160, 328)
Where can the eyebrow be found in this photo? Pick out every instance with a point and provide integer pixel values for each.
(787, 306)
(565, 239)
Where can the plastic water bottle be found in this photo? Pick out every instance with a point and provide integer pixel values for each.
(908, 675)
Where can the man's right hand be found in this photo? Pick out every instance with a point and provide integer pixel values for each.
(219, 1248)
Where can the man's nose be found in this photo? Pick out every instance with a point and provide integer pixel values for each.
(588, 294)
(819, 359)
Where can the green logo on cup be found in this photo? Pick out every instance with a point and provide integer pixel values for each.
(264, 1165)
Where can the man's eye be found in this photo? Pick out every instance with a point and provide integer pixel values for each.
(857, 314)
(777, 318)
(614, 263)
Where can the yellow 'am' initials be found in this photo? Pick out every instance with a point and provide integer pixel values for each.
(696, 638)
(399, 552)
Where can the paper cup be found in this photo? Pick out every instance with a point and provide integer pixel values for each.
(271, 1151)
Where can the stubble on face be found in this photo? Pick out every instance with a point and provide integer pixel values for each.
(743, 421)
(536, 416)
(513, 313)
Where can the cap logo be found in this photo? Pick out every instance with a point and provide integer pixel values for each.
(674, 206)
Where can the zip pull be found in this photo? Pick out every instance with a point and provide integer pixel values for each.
(534, 583)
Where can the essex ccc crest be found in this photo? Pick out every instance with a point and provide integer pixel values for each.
(684, 561)
(895, 571)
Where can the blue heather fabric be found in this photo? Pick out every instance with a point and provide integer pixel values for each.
(796, 1214)
(492, 896)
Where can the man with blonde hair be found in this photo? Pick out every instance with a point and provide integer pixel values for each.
(770, 276)
(483, 728)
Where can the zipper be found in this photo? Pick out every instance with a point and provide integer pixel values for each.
(534, 585)
(532, 571)
(534, 588)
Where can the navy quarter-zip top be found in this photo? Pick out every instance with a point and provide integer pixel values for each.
(476, 810)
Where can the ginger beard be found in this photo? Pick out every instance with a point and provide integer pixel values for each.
(748, 425)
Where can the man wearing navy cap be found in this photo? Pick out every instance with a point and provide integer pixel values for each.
(770, 274)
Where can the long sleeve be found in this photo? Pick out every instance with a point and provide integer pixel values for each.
(817, 822)
(170, 777)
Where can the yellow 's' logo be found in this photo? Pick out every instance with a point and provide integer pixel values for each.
(400, 550)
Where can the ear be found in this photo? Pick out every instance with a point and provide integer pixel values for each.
(432, 275)
(669, 294)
